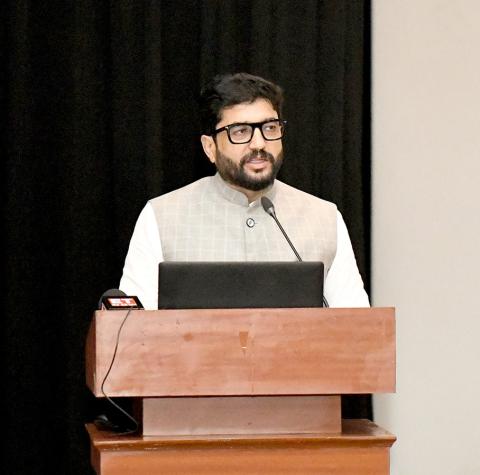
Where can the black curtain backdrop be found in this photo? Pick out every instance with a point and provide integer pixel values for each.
(99, 114)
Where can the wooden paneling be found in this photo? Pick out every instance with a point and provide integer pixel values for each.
(362, 448)
(243, 352)
(241, 415)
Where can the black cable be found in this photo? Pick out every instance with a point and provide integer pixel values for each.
(102, 420)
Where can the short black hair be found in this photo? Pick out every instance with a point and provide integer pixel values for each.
(227, 90)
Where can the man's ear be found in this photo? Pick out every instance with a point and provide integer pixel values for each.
(209, 147)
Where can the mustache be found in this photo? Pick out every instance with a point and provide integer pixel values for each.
(257, 154)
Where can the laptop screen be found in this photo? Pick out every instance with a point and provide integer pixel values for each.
(188, 285)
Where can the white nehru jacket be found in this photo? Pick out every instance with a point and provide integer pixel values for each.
(209, 221)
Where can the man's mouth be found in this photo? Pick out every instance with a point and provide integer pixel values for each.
(257, 163)
(257, 159)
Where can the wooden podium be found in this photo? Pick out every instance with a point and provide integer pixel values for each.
(242, 391)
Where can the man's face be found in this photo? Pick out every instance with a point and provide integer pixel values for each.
(252, 166)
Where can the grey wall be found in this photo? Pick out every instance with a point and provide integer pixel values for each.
(426, 227)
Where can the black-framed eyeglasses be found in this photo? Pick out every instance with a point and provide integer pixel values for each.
(272, 129)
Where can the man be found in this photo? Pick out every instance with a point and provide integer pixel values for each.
(220, 218)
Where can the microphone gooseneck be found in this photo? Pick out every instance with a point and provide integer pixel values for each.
(270, 209)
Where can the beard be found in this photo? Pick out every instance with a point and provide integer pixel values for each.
(236, 173)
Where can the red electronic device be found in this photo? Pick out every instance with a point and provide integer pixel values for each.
(121, 302)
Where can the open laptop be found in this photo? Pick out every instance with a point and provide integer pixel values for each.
(183, 285)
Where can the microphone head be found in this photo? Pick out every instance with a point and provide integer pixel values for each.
(268, 206)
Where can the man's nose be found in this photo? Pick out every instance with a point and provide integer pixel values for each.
(257, 142)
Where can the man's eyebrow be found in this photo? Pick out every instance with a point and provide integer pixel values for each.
(256, 122)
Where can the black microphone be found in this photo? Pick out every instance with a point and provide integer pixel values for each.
(270, 209)
(116, 299)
